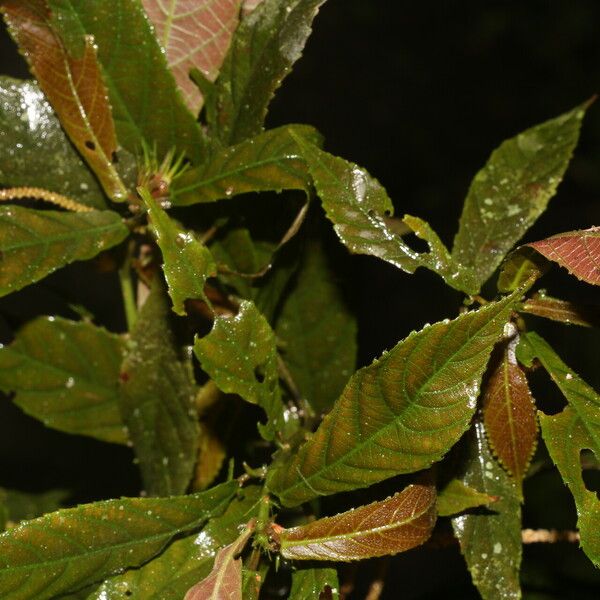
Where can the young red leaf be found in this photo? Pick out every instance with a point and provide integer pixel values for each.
(562, 311)
(72, 84)
(394, 525)
(509, 412)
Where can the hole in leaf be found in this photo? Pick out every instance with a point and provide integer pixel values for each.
(258, 374)
(590, 471)
(326, 594)
(89, 144)
(415, 243)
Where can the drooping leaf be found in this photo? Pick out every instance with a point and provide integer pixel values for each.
(568, 433)
(194, 34)
(225, 579)
(524, 264)
(71, 548)
(401, 413)
(66, 374)
(313, 582)
(240, 355)
(157, 401)
(576, 251)
(318, 331)
(268, 162)
(382, 528)
(563, 311)
(491, 541)
(187, 262)
(185, 561)
(146, 103)
(34, 150)
(20, 506)
(72, 82)
(34, 243)
(267, 43)
(457, 496)
(511, 191)
(509, 411)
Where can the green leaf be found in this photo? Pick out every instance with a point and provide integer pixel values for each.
(312, 582)
(524, 264)
(491, 541)
(194, 35)
(157, 402)
(457, 496)
(401, 413)
(34, 243)
(21, 506)
(265, 46)
(34, 150)
(146, 103)
(511, 191)
(268, 162)
(185, 561)
(187, 262)
(66, 374)
(568, 433)
(71, 548)
(318, 332)
(394, 525)
(240, 355)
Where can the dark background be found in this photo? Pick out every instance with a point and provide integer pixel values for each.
(420, 93)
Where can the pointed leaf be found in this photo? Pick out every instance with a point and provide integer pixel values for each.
(72, 83)
(194, 34)
(509, 411)
(146, 103)
(71, 548)
(394, 525)
(318, 331)
(34, 150)
(35, 243)
(185, 561)
(240, 355)
(457, 496)
(66, 374)
(187, 262)
(512, 190)
(157, 401)
(401, 413)
(267, 43)
(21, 506)
(566, 434)
(225, 580)
(314, 583)
(562, 311)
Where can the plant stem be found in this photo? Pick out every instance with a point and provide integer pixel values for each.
(128, 293)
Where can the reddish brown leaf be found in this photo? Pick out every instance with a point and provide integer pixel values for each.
(576, 251)
(394, 525)
(509, 412)
(195, 34)
(72, 84)
(541, 305)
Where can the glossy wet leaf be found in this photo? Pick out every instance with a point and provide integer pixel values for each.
(270, 161)
(568, 433)
(267, 43)
(71, 548)
(240, 355)
(20, 506)
(400, 414)
(313, 582)
(187, 262)
(194, 34)
(186, 560)
(379, 529)
(490, 540)
(34, 150)
(563, 311)
(522, 265)
(35, 243)
(318, 332)
(143, 94)
(509, 412)
(576, 251)
(511, 191)
(157, 403)
(66, 374)
(225, 579)
(72, 82)
(457, 496)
